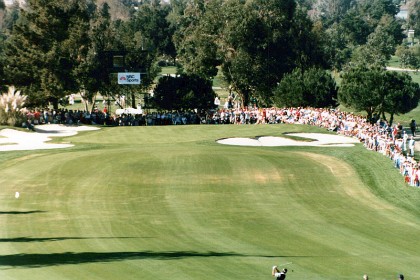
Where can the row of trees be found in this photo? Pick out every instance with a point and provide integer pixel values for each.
(282, 52)
(67, 46)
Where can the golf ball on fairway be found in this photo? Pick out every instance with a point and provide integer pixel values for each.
(17, 194)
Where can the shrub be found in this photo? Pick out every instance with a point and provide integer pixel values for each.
(184, 92)
(11, 107)
(311, 88)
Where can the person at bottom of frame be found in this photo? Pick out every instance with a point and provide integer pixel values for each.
(280, 275)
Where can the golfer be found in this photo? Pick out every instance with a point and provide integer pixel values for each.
(280, 275)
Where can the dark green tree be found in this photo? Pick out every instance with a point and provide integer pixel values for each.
(199, 25)
(338, 53)
(183, 92)
(355, 27)
(376, 90)
(381, 44)
(313, 87)
(401, 96)
(129, 41)
(361, 88)
(308, 41)
(263, 40)
(366, 32)
(151, 21)
(254, 42)
(93, 72)
(44, 48)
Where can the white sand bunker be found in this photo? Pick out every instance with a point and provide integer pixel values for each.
(323, 140)
(14, 140)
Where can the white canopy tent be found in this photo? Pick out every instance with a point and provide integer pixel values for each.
(132, 111)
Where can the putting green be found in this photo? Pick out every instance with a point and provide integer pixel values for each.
(159, 202)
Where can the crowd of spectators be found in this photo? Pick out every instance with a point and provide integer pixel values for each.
(102, 117)
(376, 134)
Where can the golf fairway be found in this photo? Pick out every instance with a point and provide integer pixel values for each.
(169, 202)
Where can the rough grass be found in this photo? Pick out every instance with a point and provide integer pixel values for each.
(145, 202)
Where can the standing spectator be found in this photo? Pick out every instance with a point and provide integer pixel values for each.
(411, 144)
(217, 102)
(394, 133)
(71, 99)
(404, 144)
(413, 127)
(400, 129)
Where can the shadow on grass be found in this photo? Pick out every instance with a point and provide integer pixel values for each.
(48, 239)
(43, 260)
(20, 212)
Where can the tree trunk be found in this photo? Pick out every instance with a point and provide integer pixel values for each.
(369, 112)
(391, 119)
(133, 101)
(85, 100)
(93, 103)
(54, 102)
(244, 95)
(245, 100)
(383, 116)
